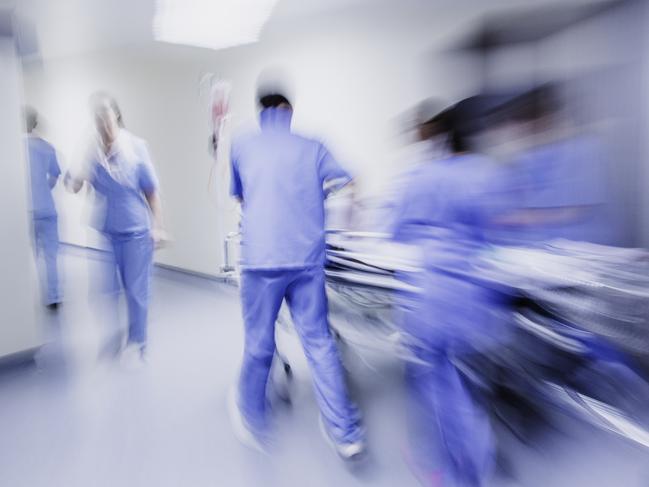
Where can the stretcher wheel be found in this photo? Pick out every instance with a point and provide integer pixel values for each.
(287, 370)
(282, 381)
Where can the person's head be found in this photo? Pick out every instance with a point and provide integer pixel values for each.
(457, 126)
(274, 100)
(107, 116)
(428, 127)
(31, 119)
(274, 89)
(427, 130)
(447, 127)
(537, 109)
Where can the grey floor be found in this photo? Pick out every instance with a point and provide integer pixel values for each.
(74, 420)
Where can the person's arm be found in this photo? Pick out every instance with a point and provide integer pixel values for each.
(150, 187)
(158, 232)
(54, 170)
(335, 179)
(544, 216)
(575, 192)
(331, 173)
(236, 188)
(73, 182)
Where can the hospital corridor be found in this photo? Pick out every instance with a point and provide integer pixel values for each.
(71, 421)
(324, 243)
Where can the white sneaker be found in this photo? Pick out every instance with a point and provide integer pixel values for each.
(132, 357)
(241, 430)
(347, 451)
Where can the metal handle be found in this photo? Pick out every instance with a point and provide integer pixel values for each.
(227, 265)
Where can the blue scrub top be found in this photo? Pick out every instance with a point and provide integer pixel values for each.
(122, 180)
(563, 174)
(448, 207)
(279, 177)
(43, 164)
(448, 201)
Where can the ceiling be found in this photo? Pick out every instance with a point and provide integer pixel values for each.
(69, 27)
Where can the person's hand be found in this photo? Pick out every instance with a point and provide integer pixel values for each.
(70, 183)
(160, 238)
(67, 179)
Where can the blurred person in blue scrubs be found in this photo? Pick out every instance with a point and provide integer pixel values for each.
(44, 173)
(430, 133)
(282, 180)
(555, 182)
(444, 213)
(423, 145)
(120, 171)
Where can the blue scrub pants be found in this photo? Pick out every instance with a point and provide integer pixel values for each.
(450, 429)
(133, 254)
(46, 242)
(262, 294)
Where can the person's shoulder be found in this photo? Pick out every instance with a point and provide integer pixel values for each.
(472, 158)
(479, 163)
(311, 143)
(244, 136)
(417, 170)
(47, 145)
(307, 139)
(137, 143)
(472, 168)
(583, 144)
(136, 149)
(41, 144)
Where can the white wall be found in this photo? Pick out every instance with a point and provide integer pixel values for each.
(160, 103)
(19, 329)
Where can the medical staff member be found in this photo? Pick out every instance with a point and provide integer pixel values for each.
(44, 173)
(444, 213)
(122, 174)
(430, 134)
(556, 182)
(279, 176)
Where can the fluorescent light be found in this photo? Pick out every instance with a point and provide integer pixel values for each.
(214, 24)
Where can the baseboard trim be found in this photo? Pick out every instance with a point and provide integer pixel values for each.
(225, 277)
(18, 359)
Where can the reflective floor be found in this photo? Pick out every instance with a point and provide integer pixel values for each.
(74, 420)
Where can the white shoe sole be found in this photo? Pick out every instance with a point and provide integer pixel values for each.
(132, 361)
(349, 452)
(241, 431)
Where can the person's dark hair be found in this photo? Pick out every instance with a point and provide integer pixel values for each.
(103, 97)
(31, 118)
(438, 125)
(273, 100)
(535, 104)
(460, 122)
